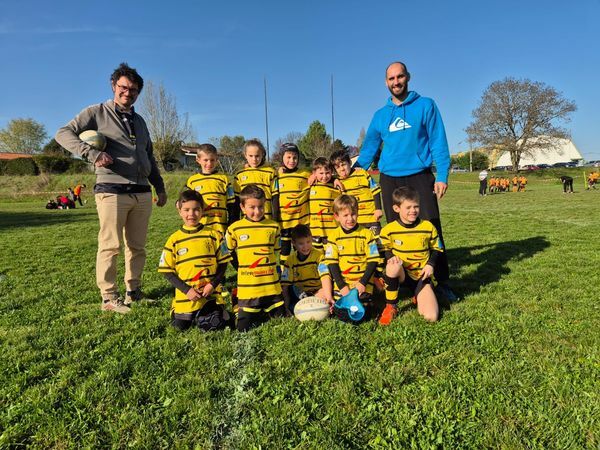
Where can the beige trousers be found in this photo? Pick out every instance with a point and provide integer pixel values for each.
(123, 218)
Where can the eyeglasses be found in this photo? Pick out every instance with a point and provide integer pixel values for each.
(132, 90)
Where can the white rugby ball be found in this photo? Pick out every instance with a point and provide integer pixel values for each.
(311, 308)
(94, 138)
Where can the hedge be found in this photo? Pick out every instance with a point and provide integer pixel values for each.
(18, 166)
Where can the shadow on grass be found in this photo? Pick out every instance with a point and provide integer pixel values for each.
(38, 219)
(491, 261)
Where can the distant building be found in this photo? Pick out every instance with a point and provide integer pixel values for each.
(564, 151)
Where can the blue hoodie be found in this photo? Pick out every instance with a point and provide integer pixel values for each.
(413, 139)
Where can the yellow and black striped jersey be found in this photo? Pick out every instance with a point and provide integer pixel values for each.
(193, 254)
(321, 197)
(265, 177)
(216, 192)
(413, 245)
(352, 251)
(257, 245)
(293, 198)
(304, 273)
(362, 186)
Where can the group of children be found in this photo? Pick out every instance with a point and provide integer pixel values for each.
(289, 233)
(503, 184)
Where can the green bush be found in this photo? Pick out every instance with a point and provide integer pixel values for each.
(19, 166)
(79, 166)
(52, 163)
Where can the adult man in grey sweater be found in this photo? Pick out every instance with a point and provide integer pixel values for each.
(124, 171)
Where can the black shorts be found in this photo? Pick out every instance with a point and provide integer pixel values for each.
(414, 286)
(255, 311)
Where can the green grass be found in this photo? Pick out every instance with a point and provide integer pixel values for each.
(515, 364)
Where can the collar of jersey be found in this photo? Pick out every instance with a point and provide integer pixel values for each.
(351, 230)
(409, 225)
(286, 170)
(192, 230)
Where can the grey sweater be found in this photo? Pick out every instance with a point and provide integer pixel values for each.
(133, 160)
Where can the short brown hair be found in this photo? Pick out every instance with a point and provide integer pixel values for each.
(404, 193)
(252, 191)
(321, 162)
(188, 195)
(209, 149)
(340, 156)
(345, 201)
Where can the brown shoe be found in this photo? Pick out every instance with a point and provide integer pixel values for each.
(115, 305)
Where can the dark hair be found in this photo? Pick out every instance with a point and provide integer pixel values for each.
(404, 193)
(256, 143)
(187, 196)
(252, 191)
(339, 156)
(321, 161)
(131, 74)
(207, 148)
(300, 231)
(345, 201)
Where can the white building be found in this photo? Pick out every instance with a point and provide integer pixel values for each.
(564, 151)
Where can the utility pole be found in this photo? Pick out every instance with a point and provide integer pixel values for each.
(266, 119)
(332, 116)
(470, 156)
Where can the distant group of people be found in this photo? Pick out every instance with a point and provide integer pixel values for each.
(592, 180)
(500, 184)
(68, 200)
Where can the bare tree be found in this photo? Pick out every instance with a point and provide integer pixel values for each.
(23, 136)
(168, 129)
(231, 152)
(519, 117)
(361, 137)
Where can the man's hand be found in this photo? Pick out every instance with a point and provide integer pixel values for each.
(103, 160)
(162, 199)
(440, 189)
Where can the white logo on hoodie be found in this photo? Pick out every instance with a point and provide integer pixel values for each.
(399, 124)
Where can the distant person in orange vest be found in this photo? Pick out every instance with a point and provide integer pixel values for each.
(515, 183)
(77, 192)
(592, 179)
(522, 183)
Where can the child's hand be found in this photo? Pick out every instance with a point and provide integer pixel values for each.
(393, 267)
(208, 289)
(377, 214)
(345, 290)
(312, 179)
(426, 272)
(360, 288)
(339, 185)
(193, 295)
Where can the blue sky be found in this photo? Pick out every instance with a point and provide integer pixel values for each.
(57, 58)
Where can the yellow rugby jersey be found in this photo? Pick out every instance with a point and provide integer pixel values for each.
(265, 177)
(193, 254)
(306, 274)
(352, 251)
(257, 245)
(413, 245)
(362, 186)
(321, 197)
(293, 198)
(216, 192)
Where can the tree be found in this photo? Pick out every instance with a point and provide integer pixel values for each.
(462, 160)
(53, 148)
(520, 116)
(168, 129)
(23, 136)
(316, 142)
(361, 137)
(231, 152)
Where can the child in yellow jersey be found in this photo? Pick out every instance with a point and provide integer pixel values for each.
(358, 183)
(351, 253)
(256, 240)
(411, 247)
(293, 195)
(194, 261)
(256, 172)
(217, 192)
(304, 272)
(320, 202)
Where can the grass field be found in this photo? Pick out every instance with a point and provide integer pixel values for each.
(515, 364)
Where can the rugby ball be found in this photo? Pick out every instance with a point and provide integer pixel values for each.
(311, 308)
(93, 138)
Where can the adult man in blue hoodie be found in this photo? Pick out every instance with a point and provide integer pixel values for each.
(413, 136)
